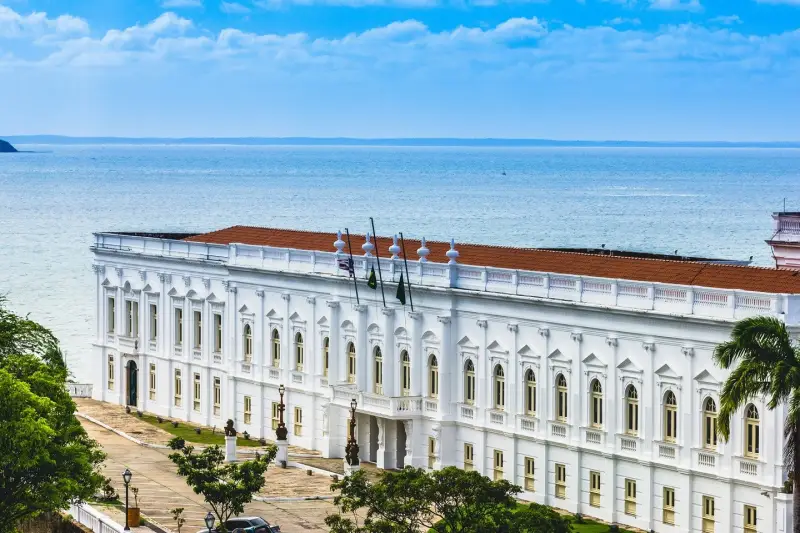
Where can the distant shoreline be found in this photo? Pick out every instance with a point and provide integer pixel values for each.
(389, 142)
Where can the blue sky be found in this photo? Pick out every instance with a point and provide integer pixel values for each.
(559, 69)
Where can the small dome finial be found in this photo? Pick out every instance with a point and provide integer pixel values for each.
(394, 249)
(368, 246)
(452, 253)
(423, 251)
(339, 243)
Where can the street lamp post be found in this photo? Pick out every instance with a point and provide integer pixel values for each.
(351, 450)
(126, 478)
(281, 432)
(209, 521)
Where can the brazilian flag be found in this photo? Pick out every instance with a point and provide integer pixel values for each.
(371, 282)
(401, 290)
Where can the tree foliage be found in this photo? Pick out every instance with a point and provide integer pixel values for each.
(226, 487)
(765, 363)
(539, 519)
(47, 460)
(450, 500)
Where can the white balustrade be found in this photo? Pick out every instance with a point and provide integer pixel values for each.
(431, 406)
(706, 459)
(467, 412)
(527, 424)
(93, 519)
(274, 374)
(197, 355)
(748, 468)
(558, 430)
(217, 358)
(666, 451)
(497, 417)
(246, 368)
(80, 390)
(297, 378)
(629, 445)
(594, 437)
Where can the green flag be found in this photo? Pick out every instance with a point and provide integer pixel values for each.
(401, 290)
(371, 282)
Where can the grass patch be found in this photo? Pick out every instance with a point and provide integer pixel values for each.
(186, 431)
(590, 526)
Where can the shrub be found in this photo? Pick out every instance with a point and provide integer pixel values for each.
(177, 443)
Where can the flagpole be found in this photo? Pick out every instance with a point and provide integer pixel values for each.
(378, 257)
(408, 278)
(352, 264)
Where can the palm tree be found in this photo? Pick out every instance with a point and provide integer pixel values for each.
(766, 363)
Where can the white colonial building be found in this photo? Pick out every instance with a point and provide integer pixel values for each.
(586, 379)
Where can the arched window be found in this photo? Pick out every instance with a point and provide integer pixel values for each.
(561, 398)
(276, 348)
(433, 377)
(351, 362)
(405, 375)
(710, 424)
(248, 343)
(469, 382)
(378, 371)
(298, 350)
(326, 358)
(631, 410)
(597, 404)
(499, 388)
(530, 393)
(752, 432)
(670, 417)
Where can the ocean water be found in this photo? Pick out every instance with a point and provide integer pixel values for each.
(710, 202)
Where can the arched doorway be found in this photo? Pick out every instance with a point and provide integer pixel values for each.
(132, 372)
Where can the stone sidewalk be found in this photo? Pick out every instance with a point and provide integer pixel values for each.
(161, 489)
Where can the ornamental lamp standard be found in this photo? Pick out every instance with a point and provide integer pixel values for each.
(281, 432)
(209, 519)
(126, 478)
(351, 450)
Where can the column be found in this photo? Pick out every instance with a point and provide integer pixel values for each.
(447, 362)
(390, 356)
(482, 372)
(287, 357)
(613, 407)
(260, 332)
(648, 395)
(229, 360)
(310, 340)
(545, 386)
(387, 444)
(335, 374)
(363, 355)
(513, 390)
(418, 360)
(577, 393)
(410, 443)
(686, 427)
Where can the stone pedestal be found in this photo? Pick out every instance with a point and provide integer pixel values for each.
(230, 449)
(349, 469)
(283, 453)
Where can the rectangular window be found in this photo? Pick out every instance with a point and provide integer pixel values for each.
(708, 514)
(498, 465)
(152, 381)
(248, 409)
(594, 489)
(275, 414)
(468, 457)
(529, 468)
(298, 421)
(110, 372)
(669, 506)
(217, 333)
(153, 322)
(111, 314)
(198, 329)
(431, 452)
(630, 497)
(750, 519)
(178, 388)
(217, 396)
(561, 481)
(178, 326)
(196, 392)
(131, 318)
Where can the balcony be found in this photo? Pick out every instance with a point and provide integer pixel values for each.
(706, 459)
(748, 467)
(667, 451)
(496, 418)
(466, 413)
(402, 407)
(628, 443)
(527, 423)
(593, 436)
(558, 429)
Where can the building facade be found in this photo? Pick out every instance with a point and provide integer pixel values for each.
(586, 380)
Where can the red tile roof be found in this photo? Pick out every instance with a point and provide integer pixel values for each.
(719, 276)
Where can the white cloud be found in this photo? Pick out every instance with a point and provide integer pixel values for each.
(676, 5)
(13, 25)
(172, 4)
(233, 8)
(727, 19)
(620, 21)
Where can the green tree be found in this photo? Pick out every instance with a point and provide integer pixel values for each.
(47, 461)
(764, 362)
(539, 519)
(226, 487)
(412, 500)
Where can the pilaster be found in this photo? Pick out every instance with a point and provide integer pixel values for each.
(447, 362)
(363, 354)
(418, 362)
(390, 357)
(336, 371)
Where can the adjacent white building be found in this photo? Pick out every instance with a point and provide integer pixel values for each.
(586, 379)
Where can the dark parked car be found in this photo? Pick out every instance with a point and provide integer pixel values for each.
(247, 524)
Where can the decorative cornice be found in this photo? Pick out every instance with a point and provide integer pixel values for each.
(649, 346)
(482, 323)
(143, 275)
(688, 351)
(333, 304)
(187, 280)
(544, 331)
(513, 327)
(612, 341)
(576, 336)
